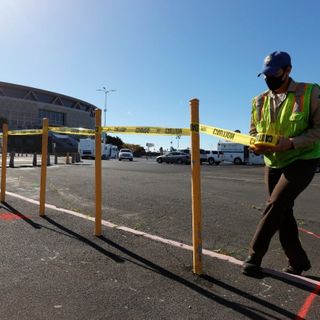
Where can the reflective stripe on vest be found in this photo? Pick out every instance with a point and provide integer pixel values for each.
(259, 105)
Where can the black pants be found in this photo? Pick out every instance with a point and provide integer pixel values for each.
(283, 185)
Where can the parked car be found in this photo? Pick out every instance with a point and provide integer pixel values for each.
(203, 155)
(125, 154)
(174, 157)
(214, 157)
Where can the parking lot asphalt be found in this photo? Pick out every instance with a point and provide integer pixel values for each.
(54, 268)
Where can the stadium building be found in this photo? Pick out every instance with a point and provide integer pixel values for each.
(24, 107)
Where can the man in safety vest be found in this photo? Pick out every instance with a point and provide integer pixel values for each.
(287, 119)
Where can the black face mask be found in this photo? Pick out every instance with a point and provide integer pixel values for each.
(275, 83)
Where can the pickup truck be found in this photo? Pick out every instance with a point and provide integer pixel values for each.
(214, 157)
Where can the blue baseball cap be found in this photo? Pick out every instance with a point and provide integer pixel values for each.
(274, 62)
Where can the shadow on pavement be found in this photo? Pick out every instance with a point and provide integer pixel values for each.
(297, 282)
(255, 299)
(23, 166)
(6, 206)
(90, 243)
(247, 311)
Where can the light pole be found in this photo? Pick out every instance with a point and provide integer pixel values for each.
(178, 139)
(106, 91)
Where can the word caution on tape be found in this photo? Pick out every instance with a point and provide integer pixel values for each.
(228, 135)
(148, 130)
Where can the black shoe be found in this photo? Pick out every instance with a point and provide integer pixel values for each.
(252, 267)
(297, 270)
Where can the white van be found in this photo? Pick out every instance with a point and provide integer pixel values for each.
(114, 151)
(239, 154)
(87, 149)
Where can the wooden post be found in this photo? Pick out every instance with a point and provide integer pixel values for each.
(98, 178)
(196, 188)
(4, 161)
(44, 154)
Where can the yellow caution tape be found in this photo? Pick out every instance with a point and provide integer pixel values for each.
(228, 135)
(148, 130)
(24, 132)
(262, 139)
(80, 131)
(265, 139)
(65, 130)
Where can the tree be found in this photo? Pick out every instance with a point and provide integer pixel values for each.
(116, 141)
(136, 149)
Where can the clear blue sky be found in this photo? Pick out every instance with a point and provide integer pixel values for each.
(158, 54)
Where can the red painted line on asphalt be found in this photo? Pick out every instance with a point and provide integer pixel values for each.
(309, 232)
(9, 216)
(303, 312)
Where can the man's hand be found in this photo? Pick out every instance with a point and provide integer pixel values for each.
(260, 149)
(283, 145)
